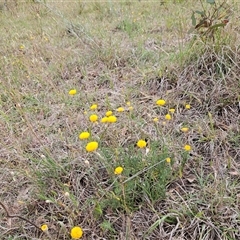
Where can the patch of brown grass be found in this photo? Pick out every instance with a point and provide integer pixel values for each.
(113, 54)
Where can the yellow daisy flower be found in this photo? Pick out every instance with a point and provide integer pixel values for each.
(84, 135)
(76, 232)
(92, 146)
(160, 102)
(108, 113)
(118, 170)
(94, 107)
(187, 147)
(93, 118)
(120, 109)
(44, 227)
(168, 117)
(112, 119)
(141, 143)
(72, 92)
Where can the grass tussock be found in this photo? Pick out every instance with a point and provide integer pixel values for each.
(116, 123)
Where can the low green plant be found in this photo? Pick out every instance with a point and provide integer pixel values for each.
(212, 16)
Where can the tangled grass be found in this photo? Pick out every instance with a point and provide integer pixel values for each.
(115, 124)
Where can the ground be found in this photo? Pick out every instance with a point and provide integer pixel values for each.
(181, 181)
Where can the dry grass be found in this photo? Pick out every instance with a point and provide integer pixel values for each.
(113, 53)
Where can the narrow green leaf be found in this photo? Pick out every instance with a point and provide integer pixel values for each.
(193, 19)
(202, 13)
(211, 1)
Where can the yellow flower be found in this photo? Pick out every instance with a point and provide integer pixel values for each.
(187, 106)
(94, 107)
(112, 119)
(184, 129)
(76, 232)
(141, 143)
(93, 118)
(21, 47)
(171, 110)
(118, 170)
(92, 146)
(168, 160)
(155, 119)
(72, 92)
(120, 109)
(128, 103)
(44, 227)
(187, 147)
(168, 117)
(84, 135)
(108, 113)
(104, 119)
(160, 102)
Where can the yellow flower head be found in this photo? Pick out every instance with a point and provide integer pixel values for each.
(160, 102)
(72, 92)
(84, 135)
(104, 119)
(44, 227)
(128, 103)
(93, 118)
(141, 143)
(112, 119)
(187, 147)
(187, 106)
(94, 107)
(108, 113)
(168, 117)
(184, 129)
(118, 170)
(76, 232)
(155, 119)
(120, 109)
(168, 160)
(92, 146)
(171, 110)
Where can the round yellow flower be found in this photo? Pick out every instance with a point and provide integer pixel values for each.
(94, 107)
(112, 119)
(104, 119)
(160, 102)
(118, 170)
(72, 92)
(187, 147)
(141, 143)
(187, 106)
(108, 113)
(93, 118)
(168, 160)
(168, 117)
(155, 119)
(84, 135)
(128, 103)
(44, 227)
(120, 109)
(184, 129)
(171, 110)
(76, 232)
(92, 146)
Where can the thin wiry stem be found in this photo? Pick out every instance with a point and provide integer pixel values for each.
(17, 216)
